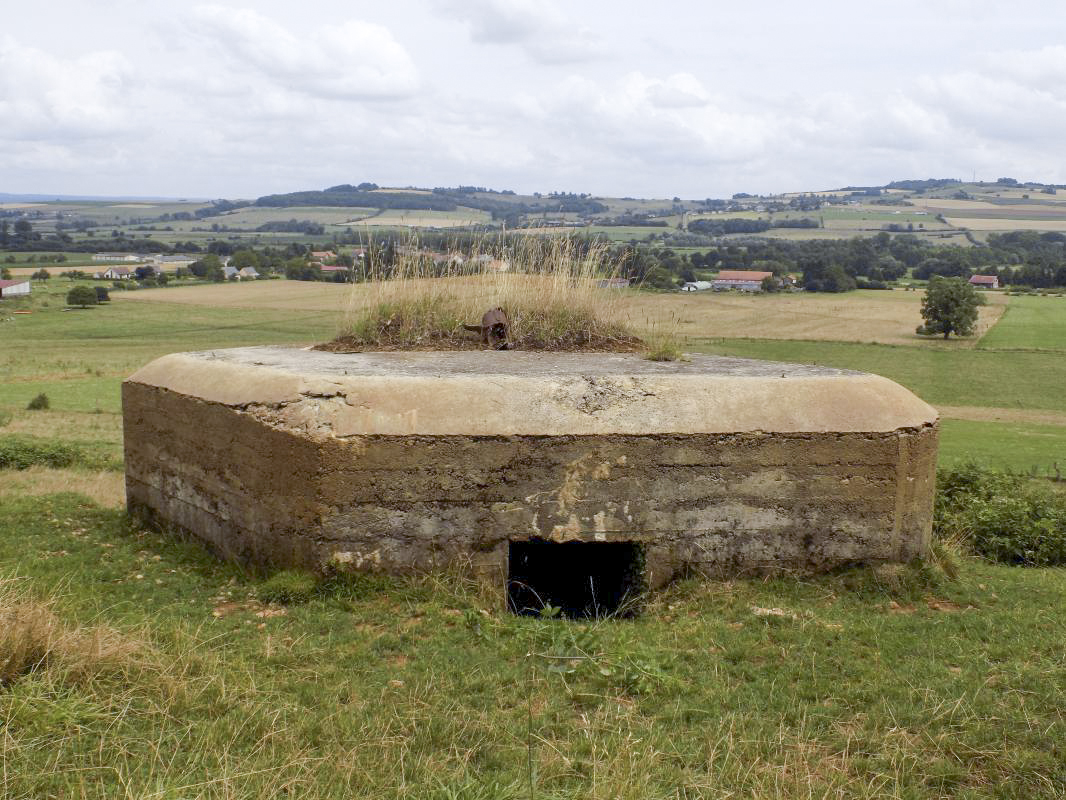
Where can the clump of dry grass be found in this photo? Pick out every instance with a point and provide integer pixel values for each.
(663, 339)
(548, 287)
(33, 637)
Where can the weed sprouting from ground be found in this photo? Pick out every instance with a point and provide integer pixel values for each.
(288, 587)
(38, 403)
(548, 287)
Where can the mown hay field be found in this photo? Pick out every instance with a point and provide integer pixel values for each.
(885, 317)
(1009, 223)
(427, 219)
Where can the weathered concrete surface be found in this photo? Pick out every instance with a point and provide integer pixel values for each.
(414, 461)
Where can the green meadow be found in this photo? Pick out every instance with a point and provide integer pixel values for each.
(1020, 379)
(80, 357)
(170, 675)
(972, 377)
(1031, 322)
(173, 677)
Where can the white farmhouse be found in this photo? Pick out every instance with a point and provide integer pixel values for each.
(115, 257)
(746, 280)
(14, 288)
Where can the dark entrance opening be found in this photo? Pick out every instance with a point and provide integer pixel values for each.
(582, 579)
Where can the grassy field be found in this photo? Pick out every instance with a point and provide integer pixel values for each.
(1030, 323)
(173, 676)
(970, 377)
(869, 684)
(79, 358)
(1019, 447)
(1006, 406)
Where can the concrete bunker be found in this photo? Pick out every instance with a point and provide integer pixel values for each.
(417, 461)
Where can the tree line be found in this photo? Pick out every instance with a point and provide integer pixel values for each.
(1019, 258)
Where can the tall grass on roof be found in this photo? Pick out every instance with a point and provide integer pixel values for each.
(548, 287)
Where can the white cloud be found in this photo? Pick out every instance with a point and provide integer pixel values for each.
(46, 97)
(350, 60)
(1045, 67)
(545, 34)
(678, 91)
(236, 101)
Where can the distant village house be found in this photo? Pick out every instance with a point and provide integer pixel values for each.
(116, 257)
(173, 262)
(746, 280)
(14, 288)
(985, 281)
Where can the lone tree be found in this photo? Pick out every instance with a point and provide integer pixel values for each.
(81, 296)
(950, 306)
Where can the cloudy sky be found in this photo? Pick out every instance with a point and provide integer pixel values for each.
(243, 98)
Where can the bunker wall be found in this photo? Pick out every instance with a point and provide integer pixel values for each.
(719, 504)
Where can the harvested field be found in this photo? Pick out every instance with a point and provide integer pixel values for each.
(74, 426)
(945, 203)
(983, 208)
(253, 216)
(1005, 223)
(982, 414)
(282, 295)
(863, 316)
(427, 219)
(106, 488)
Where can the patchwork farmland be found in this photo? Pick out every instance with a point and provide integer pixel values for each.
(170, 669)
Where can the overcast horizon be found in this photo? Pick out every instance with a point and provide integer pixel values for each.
(242, 99)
